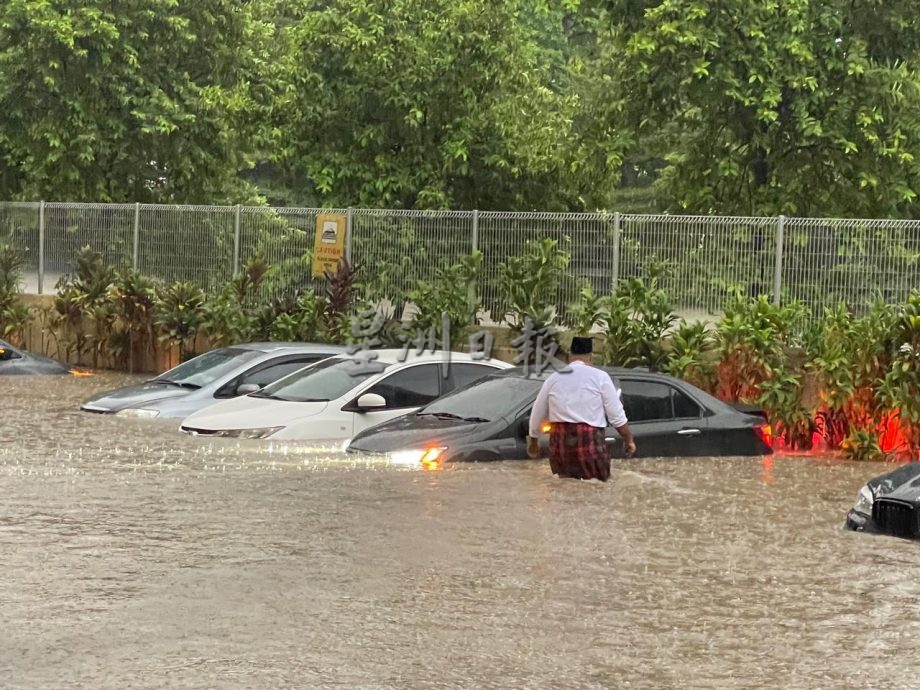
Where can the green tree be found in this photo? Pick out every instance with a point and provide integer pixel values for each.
(139, 100)
(792, 106)
(427, 103)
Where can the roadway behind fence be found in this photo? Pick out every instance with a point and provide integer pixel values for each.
(821, 262)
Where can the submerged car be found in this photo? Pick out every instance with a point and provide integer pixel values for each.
(337, 398)
(16, 361)
(889, 504)
(489, 420)
(217, 375)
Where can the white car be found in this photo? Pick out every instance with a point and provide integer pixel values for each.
(333, 400)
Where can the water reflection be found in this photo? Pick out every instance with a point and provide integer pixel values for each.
(132, 555)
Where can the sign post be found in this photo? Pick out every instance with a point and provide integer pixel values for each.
(329, 243)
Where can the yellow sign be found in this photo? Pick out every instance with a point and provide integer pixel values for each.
(329, 244)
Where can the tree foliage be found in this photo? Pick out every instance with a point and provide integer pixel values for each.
(793, 106)
(804, 107)
(139, 100)
(426, 103)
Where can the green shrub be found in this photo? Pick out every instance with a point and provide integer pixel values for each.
(14, 316)
(690, 354)
(781, 396)
(754, 338)
(590, 311)
(454, 292)
(637, 318)
(179, 315)
(863, 446)
(528, 284)
(132, 297)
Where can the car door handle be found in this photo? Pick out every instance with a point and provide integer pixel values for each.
(688, 432)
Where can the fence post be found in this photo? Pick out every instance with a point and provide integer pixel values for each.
(41, 247)
(475, 229)
(236, 241)
(615, 277)
(778, 269)
(137, 233)
(349, 225)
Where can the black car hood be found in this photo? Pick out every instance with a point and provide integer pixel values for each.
(903, 484)
(131, 396)
(418, 431)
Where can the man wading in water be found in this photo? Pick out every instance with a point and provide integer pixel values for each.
(579, 403)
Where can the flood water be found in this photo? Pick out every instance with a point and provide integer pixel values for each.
(133, 556)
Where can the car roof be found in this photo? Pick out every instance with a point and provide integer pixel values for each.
(300, 347)
(547, 371)
(402, 356)
(709, 401)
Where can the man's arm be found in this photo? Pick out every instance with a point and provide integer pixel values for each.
(616, 415)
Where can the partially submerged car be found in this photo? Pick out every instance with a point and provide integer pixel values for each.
(889, 504)
(16, 361)
(217, 375)
(335, 399)
(489, 420)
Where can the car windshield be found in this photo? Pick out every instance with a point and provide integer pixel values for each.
(324, 381)
(204, 369)
(487, 399)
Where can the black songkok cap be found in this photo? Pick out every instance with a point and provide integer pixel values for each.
(582, 346)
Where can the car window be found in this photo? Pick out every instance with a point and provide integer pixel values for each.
(411, 387)
(684, 406)
(327, 380)
(461, 375)
(644, 401)
(203, 369)
(264, 374)
(489, 398)
(273, 372)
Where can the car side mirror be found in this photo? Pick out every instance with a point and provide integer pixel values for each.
(247, 388)
(370, 401)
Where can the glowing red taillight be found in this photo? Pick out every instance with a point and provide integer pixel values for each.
(765, 433)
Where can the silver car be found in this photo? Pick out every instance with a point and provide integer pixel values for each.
(203, 380)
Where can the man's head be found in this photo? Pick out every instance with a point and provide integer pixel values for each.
(581, 349)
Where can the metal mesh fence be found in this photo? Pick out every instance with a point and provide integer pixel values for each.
(284, 238)
(187, 243)
(854, 262)
(105, 228)
(588, 238)
(19, 228)
(394, 249)
(700, 259)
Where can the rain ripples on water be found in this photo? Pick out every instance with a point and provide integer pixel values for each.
(134, 556)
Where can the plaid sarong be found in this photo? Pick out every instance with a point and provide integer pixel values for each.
(578, 451)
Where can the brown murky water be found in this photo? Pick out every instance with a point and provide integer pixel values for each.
(132, 556)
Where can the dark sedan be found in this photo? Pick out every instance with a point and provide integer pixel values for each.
(889, 504)
(16, 361)
(488, 420)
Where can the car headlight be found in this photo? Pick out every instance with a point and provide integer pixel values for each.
(864, 501)
(426, 457)
(264, 432)
(138, 412)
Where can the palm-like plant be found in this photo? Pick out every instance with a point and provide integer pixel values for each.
(179, 315)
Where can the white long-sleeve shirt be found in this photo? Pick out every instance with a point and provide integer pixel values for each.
(581, 394)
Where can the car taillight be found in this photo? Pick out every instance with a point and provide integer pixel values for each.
(765, 433)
